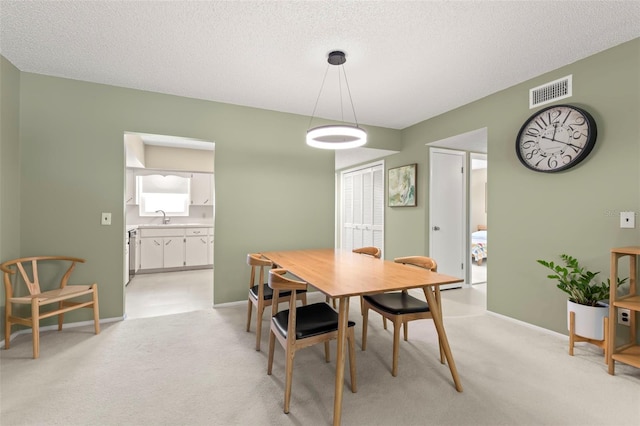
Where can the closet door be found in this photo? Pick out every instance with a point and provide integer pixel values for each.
(363, 207)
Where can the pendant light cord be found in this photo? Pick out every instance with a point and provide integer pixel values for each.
(326, 71)
(319, 93)
(350, 98)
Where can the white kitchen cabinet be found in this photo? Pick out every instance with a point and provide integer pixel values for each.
(161, 248)
(201, 189)
(195, 253)
(126, 258)
(210, 251)
(130, 187)
(175, 247)
(151, 253)
(196, 246)
(137, 257)
(173, 252)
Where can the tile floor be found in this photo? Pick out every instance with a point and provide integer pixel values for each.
(152, 295)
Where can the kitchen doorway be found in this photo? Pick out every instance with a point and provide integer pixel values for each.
(169, 263)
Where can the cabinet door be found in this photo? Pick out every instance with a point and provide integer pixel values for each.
(138, 243)
(151, 253)
(210, 251)
(130, 188)
(173, 252)
(201, 189)
(196, 251)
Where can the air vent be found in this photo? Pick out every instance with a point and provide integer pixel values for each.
(549, 92)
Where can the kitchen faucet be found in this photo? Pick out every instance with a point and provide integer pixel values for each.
(165, 221)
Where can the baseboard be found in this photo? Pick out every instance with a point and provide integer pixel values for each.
(64, 326)
(529, 325)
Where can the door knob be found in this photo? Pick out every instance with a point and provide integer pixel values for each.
(436, 228)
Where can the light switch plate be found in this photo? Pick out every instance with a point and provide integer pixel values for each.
(627, 219)
(106, 218)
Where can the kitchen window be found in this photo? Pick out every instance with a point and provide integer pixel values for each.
(169, 193)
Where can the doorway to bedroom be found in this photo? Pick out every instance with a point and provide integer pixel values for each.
(478, 218)
(466, 180)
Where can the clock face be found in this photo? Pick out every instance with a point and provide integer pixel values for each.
(556, 138)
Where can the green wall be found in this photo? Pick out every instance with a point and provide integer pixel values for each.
(9, 167)
(537, 215)
(272, 191)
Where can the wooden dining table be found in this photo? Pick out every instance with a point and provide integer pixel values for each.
(342, 274)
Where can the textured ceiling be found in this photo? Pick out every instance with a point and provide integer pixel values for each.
(406, 61)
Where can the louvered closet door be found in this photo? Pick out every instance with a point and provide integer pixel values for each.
(363, 208)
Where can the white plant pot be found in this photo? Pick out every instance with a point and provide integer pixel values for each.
(589, 320)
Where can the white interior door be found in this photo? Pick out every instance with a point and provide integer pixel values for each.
(447, 207)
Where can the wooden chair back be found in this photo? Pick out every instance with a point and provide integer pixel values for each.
(278, 281)
(28, 268)
(371, 251)
(257, 261)
(421, 261)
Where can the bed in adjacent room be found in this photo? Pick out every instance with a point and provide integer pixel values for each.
(479, 244)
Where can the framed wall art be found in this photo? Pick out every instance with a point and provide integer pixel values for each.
(402, 186)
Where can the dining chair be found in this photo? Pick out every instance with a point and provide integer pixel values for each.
(261, 295)
(371, 251)
(400, 308)
(303, 326)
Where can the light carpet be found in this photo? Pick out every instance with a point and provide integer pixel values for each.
(200, 368)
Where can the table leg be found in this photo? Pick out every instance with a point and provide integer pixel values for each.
(442, 335)
(343, 318)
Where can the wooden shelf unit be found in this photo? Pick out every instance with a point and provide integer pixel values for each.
(629, 353)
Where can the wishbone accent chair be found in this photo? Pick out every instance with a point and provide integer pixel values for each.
(400, 308)
(34, 297)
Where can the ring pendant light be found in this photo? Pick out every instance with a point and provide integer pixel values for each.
(336, 136)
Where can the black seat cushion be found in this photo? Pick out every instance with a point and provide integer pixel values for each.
(397, 303)
(311, 320)
(268, 292)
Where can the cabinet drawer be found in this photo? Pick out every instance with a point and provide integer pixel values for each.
(164, 232)
(196, 232)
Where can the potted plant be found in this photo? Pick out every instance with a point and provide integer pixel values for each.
(586, 295)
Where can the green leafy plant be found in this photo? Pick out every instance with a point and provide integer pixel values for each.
(577, 282)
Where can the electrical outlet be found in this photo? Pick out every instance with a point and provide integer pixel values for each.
(627, 219)
(624, 316)
(105, 219)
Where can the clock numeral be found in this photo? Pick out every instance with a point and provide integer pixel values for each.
(532, 131)
(554, 116)
(531, 154)
(577, 134)
(543, 122)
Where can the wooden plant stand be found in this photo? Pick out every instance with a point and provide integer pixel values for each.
(573, 337)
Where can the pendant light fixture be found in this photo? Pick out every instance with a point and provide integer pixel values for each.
(336, 136)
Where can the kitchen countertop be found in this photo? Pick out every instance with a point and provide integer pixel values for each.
(170, 225)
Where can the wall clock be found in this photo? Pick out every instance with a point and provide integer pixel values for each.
(556, 138)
